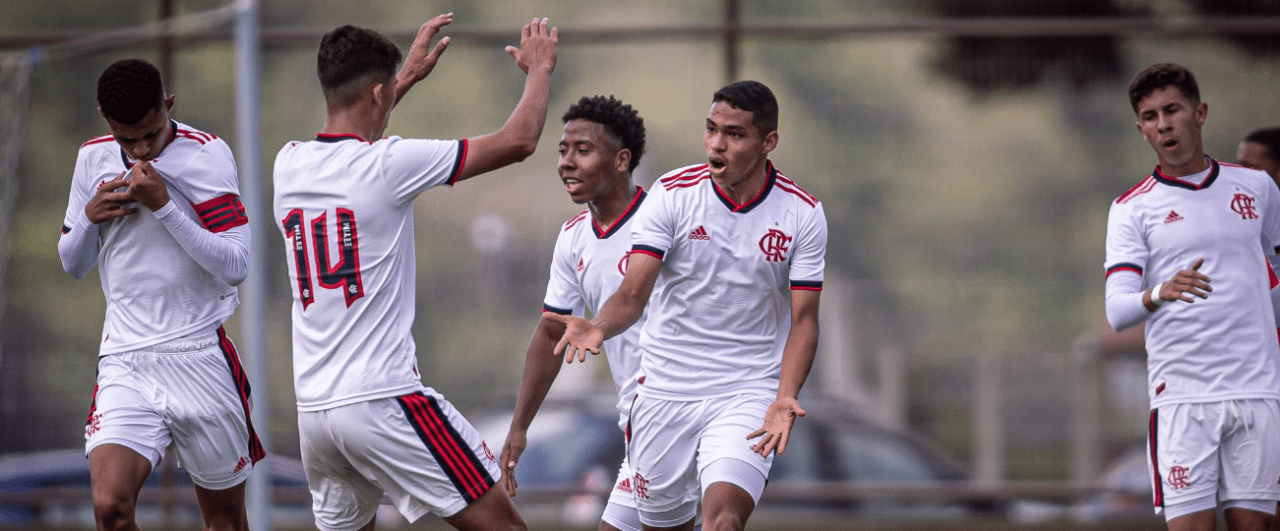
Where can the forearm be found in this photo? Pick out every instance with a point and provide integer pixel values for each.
(78, 248)
(797, 357)
(618, 314)
(530, 115)
(225, 254)
(1125, 301)
(541, 366)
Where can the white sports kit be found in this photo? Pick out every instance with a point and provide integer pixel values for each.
(367, 424)
(1213, 365)
(167, 372)
(718, 321)
(586, 268)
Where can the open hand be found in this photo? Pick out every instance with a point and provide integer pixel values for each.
(1186, 283)
(776, 430)
(422, 56)
(511, 450)
(538, 47)
(580, 337)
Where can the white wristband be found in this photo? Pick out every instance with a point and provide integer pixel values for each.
(1155, 295)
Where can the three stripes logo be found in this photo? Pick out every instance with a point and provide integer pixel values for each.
(1172, 217)
(699, 234)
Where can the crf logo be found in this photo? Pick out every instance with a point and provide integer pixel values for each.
(94, 424)
(774, 244)
(487, 452)
(641, 486)
(1178, 478)
(1243, 205)
(622, 264)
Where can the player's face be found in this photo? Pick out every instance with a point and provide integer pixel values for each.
(1171, 123)
(147, 138)
(591, 163)
(736, 150)
(1255, 155)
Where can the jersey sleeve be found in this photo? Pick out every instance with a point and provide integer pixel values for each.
(81, 191)
(411, 166)
(1126, 247)
(564, 290)
(808, 260)
(655, 223)
(211, 183)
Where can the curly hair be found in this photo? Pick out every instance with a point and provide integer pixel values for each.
(754, 97)
(129, 90)
(1160, 75)
(622, 123)
(349, 54)
(1268, 137)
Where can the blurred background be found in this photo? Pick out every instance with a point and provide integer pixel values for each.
(966, 152)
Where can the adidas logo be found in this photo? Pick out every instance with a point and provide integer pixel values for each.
(1172, 217)
(244, 462)
(699, 234)
(581, 265)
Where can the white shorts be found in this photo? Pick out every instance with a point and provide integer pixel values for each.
(673, 442)
(416, 448)
(1227, 450)
(192, 393)
(620, 512)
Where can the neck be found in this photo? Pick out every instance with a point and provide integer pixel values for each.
(747, 187)
(606, 210)
(1196, 165)
(350, 122)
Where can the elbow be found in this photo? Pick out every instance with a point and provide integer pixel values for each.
(524, 149)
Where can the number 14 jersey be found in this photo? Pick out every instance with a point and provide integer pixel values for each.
(345, 209)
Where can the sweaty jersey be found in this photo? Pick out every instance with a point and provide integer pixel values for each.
(587, 267)
(345, 209)
(721, 308)
(1223, 347)
(155, 291)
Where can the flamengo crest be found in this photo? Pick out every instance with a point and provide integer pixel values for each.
(774, 244)
(1243, 205)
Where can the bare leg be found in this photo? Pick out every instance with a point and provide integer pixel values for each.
(223, 510)
(116, 474)
(687, 526)
(1246, 520)
(726, 507)
(492, 511)
(1204, 520)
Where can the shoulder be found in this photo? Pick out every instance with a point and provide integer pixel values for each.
(789, 186)
(682, 177)
(97, 140)
(574, 221)
(1146, 185)
(99, 150)
(1244, 173)
(193, 144)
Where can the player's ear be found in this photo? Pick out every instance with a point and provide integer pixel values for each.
(622, 161)
(770, 141)
(376, 91)
(100, 113)
(1202, 112)
(168, 102)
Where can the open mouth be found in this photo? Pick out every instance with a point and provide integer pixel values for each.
(1169, 143)
(716, 164)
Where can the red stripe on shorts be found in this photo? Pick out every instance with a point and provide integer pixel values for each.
(460, 464)
(1158, 486)
(256, 451)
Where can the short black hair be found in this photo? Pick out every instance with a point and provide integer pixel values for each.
(129, 90)
(1268, 137)
(1162, 75)
(622, 123)
(754, 97)
(350, 54)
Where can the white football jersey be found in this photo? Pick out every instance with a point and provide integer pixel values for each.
(587, 267)
(1223, 347)
(155, 291)
(721, 308)
(345, 209)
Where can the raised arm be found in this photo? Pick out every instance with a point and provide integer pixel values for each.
(422, 56)
(797, 360)
(621, 311)
(540, 371)
(518, 138)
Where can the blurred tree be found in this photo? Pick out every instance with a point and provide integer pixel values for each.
(991, 64)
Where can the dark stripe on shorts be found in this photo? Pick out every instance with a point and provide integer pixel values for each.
(463, 467)
(93, 403)
(1158, 486)
(256, 451)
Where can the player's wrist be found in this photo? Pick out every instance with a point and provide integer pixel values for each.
(1155, 295)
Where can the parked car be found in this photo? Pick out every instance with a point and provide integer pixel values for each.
(1128, 483)
(50, 490)
(575, 446)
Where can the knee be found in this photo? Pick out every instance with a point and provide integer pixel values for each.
(725, 521)
(114, 513)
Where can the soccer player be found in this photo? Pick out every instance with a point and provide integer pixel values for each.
(344, 202)
(1186, 253)
(155, 205)
(732, 252)
(1261, 150)
(602, 143)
